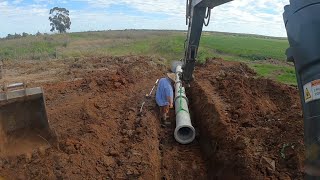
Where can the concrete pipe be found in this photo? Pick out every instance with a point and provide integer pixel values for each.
(184, 132)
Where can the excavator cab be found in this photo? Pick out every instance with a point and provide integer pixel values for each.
(23, 115)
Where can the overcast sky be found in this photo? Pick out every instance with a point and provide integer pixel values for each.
(262, 17)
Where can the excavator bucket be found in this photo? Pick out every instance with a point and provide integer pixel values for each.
(23, 109)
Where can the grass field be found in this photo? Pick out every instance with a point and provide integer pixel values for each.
(254, 50)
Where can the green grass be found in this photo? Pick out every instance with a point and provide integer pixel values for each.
(169, 45)
(35, 48)
(284, 74)
(251, 48)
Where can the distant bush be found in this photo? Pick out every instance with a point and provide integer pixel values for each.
(38, 34)
(23, 35)
(13, 36)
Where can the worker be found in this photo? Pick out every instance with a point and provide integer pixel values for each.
(164, 95)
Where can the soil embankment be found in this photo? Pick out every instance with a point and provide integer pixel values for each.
(251, 128)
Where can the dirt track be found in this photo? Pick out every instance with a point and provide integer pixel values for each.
(244, 123)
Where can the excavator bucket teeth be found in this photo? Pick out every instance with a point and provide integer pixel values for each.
(23, 109)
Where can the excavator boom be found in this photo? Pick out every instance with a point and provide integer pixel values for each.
(198, 14)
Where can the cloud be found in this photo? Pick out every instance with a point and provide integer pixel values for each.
(3, 3)
(16, 19)
(168, 7)
(243, 16)
(45, 2)
(17, 1)
(251, 16)
(84, 20)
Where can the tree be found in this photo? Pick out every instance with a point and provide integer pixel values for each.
(59, 19)
(24, 34)
(13, 36)
(10, 36)
(17, 36)
(38, 34)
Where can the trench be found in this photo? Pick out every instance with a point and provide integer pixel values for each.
(201, 159)
(206, 118)
(195, 160)
(180, 161)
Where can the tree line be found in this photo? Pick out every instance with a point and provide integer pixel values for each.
(22, 35)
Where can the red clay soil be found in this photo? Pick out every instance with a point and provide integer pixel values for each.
(100, 134)
(247, 127)
(95, 117)
(250, 128)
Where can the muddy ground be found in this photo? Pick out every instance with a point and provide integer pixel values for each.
(247, 127)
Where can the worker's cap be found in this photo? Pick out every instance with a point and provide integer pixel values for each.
(172, 76)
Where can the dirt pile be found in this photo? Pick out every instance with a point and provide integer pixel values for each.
(251, 128)
(100, 135)
(21, 142)
(95, 116)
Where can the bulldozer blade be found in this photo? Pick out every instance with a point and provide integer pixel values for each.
(23, 109)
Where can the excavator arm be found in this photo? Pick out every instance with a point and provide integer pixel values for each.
(198, 14)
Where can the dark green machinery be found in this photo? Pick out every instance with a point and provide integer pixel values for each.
(302, 21)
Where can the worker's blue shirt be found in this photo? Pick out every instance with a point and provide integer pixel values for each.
(164, 90)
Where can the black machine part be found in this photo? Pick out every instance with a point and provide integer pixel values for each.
(302, 22)
(198, 14)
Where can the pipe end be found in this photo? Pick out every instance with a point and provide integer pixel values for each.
(184, 134)
(174, 66)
